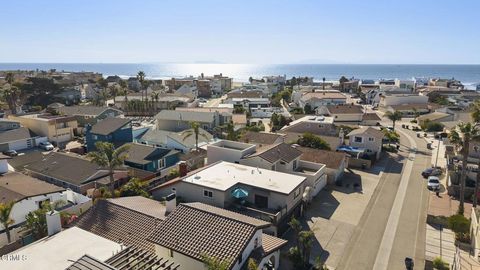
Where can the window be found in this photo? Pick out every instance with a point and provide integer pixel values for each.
(95, 137)
(371, 139)
(295, 164)
(296, 193)
(358, 139)
(161, 163)
(207, 193)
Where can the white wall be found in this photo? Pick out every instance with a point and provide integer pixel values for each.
(403, 99)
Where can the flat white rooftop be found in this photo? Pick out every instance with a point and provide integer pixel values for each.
(313, 119)
(224, 175)
(60, 250)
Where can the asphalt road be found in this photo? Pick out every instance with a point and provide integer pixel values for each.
(408, 232)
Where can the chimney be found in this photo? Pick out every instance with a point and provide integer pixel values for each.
(54, 224)
(182, 168)
(170, 203)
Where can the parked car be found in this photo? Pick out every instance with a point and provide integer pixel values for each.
(431, 172)
(10, 153)
(433, 183)
(46, 146)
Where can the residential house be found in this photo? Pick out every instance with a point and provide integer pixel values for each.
(89, 114)
(317, 125)
(68, 171)
(150, 158)
(410, 109)
(7, 124)
(371, 119)
(270, 195)
(262, 138)
(60, 250)
(29, 194)
(279, 157)
(368, 138)
(179, 141)
(437, 117)
(111, 129)
(194, 230)
(181, 120)
(58, 129)
(405, 84)
(335, 162)
(249, 103)
(165, 101)
(245, 94)
(398, 99)
(347, 114)
(225, 113)
(126, 220)
(322, 98)
(449, 83)
(19, 139)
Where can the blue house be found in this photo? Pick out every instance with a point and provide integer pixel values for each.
(115, 130)
(150, 158)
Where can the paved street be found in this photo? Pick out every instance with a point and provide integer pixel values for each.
(393, 226)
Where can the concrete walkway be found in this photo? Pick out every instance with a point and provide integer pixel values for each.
(440, 243)
(383, 255)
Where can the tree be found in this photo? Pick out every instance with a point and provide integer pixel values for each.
(431, 126)
(109, 157)
(476, 119)
(252, 264)
(141, 79)
(10, 95)
(194, 131)
(313, 141)
(461, 136)
(440, 264)
(214, 263)
(134, 187)
(36, 221)
(391, 136)
(308, 109)
(5, 217)
(231, 134)
(113, 91)
(394, 117)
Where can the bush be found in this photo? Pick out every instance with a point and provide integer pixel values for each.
(312, 141)
(461, 226)
(439, 264)
(430, 126)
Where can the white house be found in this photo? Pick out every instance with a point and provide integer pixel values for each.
(367, 138)
(29, 193)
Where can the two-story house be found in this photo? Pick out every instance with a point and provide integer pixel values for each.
(114, 130)
(171, 120)
(150, 158)
(368, 138)
(89, 114)
(194, 231)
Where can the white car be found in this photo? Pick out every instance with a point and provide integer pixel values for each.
(46, 146)
(433, 183)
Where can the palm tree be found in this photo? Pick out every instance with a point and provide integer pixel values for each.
(155, 97)
(476, 119)
(461, 136)
(141, 79)
(194, 130)
(113, 91)
(394, 117)
(9, 78)
(5, 219)
(107, 156)
(10, 95)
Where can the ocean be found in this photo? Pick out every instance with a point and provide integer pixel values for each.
(468, 74)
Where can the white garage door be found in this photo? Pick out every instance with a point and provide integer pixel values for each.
(319, 185)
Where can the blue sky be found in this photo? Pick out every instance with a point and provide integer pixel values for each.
(351, 31)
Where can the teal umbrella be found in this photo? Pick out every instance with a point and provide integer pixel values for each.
(239, 193)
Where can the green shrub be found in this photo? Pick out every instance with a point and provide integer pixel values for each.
(439, 264)
(461, 226)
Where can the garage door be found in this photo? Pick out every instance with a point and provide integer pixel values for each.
(319, 185)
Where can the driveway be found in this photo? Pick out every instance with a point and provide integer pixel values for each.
(336, 211)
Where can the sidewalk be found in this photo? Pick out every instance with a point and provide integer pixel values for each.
(440, 243)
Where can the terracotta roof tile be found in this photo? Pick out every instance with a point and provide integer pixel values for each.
(196, 229)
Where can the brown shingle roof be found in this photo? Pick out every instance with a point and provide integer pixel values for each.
(344, 109)
(331, 159)
(260, 137)
(367, 130)
(195, 229)
(274, 153)
(271, 243)
(16, 186)
(403, 107)
(118, 223)
(371, 116)
(109, 125)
